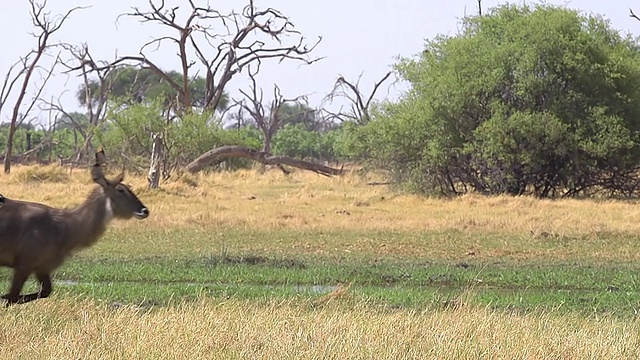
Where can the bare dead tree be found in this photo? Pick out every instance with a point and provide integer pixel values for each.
(269, 121)
(96, 97)
(21, 116)
(64, 117)
(45, 26)
(238, 118)
(32, 150)
(360, 104)
(49, 133)
(9, 82)
(156, 162)
(223, 44)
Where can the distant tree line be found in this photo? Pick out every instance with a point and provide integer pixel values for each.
(162, 119)
(539, 100)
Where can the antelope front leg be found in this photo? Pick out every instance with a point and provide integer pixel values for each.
(19, 278)
(45, 284)
(45, 290)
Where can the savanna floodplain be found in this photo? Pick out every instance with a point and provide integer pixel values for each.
(248, 264)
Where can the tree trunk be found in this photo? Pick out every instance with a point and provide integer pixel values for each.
(87, 147)
(156, 160)
(28, 135)
(9, 151)
(266, 148)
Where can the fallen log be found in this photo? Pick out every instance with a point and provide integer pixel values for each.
(231, 151)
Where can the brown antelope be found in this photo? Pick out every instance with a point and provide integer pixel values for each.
(36, 238)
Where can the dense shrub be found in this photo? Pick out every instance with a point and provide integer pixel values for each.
(526, 99)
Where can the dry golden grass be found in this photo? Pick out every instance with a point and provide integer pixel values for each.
(485, 227)
(308, 201)
(332, 327)
(70, 329)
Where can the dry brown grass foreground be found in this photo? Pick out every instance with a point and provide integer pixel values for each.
(66, 329)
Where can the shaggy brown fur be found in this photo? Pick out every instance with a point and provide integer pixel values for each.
(36, 238)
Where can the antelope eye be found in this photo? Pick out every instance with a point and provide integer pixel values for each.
(120, 190)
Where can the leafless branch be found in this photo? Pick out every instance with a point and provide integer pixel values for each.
(45, 28)
(57, 107)
(360, 104)
(95, 97)
(268, 121)
(40, 89)
(223, 55)
(10, 81)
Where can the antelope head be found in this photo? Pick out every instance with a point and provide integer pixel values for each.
(123, 203)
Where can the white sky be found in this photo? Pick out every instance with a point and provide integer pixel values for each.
(359, 36)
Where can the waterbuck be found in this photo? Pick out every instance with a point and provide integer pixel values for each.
(36, 238)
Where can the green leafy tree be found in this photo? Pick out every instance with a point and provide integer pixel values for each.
(525, 99)
(144, 85)
(296, 141)
(128, 131)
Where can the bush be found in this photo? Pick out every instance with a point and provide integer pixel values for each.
(127, 135)
(296, 141)
(538, 100)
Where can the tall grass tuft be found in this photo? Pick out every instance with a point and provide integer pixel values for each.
(40, 174)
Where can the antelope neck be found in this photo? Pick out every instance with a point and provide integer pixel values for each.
(88, 221)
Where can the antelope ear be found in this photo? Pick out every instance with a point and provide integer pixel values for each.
(118, 179)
